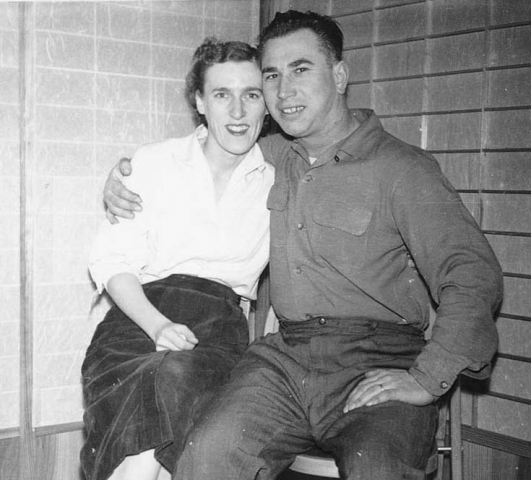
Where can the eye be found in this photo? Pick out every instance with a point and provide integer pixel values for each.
(220, 95)
(270, 76)
(254, 96)
(301, 69)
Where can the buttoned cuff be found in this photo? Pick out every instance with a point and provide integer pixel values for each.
(437, 369)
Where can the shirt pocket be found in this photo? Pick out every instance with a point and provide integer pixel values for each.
(341, 233)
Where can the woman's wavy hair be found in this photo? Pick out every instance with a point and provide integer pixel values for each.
(211, 52)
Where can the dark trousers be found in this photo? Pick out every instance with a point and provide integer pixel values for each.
(139, 399)
(288, 392)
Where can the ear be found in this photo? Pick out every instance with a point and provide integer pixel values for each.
(199, 103)
(341, 75)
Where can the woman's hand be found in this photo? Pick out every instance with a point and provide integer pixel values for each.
(129, 296)
(120, 201)
(174, 336)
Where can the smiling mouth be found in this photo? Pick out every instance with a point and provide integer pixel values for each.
(291, 110)
(237, 129)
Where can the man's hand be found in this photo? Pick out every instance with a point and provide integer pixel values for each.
(380, 386)
(120, 201)
(174, 336)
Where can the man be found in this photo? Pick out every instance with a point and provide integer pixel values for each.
(365, 233)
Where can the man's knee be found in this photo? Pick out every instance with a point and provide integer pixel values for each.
(213, 437)
(387, 442)
(215, 449)
(378, 461)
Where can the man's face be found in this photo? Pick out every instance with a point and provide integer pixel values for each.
(233, 105)
(302, 88)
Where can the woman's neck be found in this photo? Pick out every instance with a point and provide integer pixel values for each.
(222, 164)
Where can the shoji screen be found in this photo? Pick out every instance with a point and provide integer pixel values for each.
(454, 76)
(82, 83)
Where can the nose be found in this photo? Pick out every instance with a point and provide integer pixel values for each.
(285, 88)
(237, 110)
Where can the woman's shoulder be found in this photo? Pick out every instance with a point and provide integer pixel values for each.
(154, 162)
(161, 149)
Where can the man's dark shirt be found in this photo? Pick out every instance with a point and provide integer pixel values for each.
(374, 230)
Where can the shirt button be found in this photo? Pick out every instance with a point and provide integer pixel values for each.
(322, 321)
(298, 270)
(444, 385)
(300, 226)
(307, 179)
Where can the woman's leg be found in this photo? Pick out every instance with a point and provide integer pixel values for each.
(134, 395)
(187, 380)
(117, 379)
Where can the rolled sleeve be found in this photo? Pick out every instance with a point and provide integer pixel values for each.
(119, 248)
(101, 274)
(123, 247)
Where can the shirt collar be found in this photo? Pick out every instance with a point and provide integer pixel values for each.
(358, 145)
(253, 161)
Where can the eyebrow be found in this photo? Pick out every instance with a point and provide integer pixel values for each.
(253, 89)
(300, 61)
(245, 90)
(294, 64)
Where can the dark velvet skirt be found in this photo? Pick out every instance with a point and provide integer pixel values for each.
(138, 399)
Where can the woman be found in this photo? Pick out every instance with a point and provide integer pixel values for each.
(176, 274)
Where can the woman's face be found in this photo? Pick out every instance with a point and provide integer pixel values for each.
(233, 105)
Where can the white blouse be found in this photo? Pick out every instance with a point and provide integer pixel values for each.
(182, 229)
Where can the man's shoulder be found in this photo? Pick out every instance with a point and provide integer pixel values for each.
(402, 155)
(274, 147)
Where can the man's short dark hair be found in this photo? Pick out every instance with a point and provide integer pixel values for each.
(211, 52)
(326, 28)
